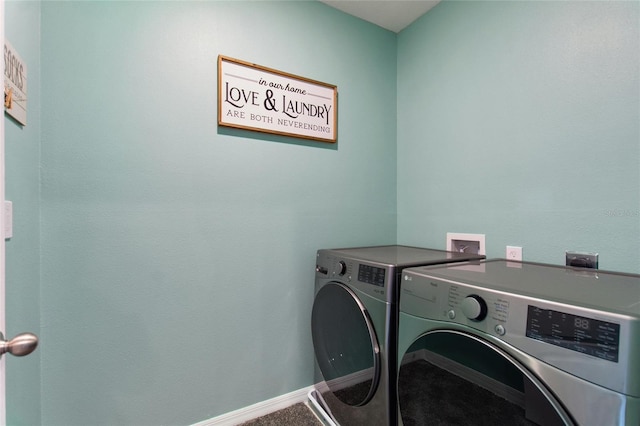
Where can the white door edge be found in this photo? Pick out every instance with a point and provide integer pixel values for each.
(3, 329)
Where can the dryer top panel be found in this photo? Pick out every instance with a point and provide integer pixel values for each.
(403, 256)
(604, 290)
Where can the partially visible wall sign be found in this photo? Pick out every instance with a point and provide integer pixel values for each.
(257, 98)
(15, 84)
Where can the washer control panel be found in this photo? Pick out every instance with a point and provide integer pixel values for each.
(593, 337)
(452, 302)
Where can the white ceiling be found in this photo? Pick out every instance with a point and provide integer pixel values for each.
(394, 15)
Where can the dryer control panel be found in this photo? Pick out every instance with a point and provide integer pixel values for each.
(368, 277)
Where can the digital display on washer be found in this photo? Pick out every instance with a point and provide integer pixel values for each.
(371, 275)
(593, 337)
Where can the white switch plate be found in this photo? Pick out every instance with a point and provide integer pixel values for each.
(8, 219)
(514, 253)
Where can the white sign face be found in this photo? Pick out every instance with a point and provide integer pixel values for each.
(256, 98)
(15, 84)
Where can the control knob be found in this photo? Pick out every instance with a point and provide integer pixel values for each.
(474, 307)
(341, 268)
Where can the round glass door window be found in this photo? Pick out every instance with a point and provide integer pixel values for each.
(345, 344)
(448, 377)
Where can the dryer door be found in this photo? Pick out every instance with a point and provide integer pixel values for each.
(345, 344)
(452, 377)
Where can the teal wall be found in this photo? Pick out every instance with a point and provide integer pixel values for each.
(175, 278)
(22, 187)
(519, 120)
(178, 257)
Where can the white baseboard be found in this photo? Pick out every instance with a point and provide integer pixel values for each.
(259, 409)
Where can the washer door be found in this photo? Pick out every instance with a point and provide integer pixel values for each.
(345, 344)
(451, 377)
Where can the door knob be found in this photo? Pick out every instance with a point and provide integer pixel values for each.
(21, 345)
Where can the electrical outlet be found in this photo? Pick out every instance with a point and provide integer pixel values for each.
(514, 253)
(466, 243)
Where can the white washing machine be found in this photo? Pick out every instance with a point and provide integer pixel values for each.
(354, 328)
(519, 343)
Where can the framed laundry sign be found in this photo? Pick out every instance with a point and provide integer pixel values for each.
(262, 99)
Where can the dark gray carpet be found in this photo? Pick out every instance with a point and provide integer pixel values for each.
(298, 414)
